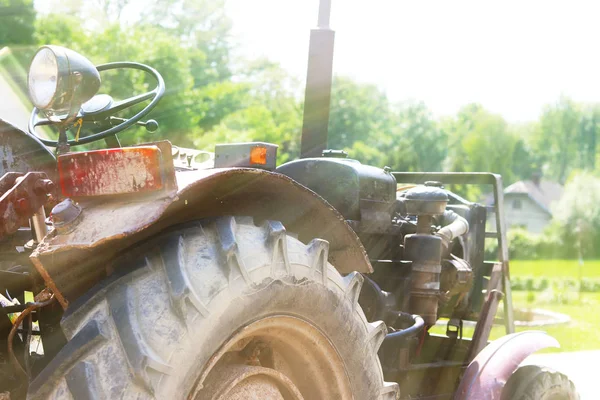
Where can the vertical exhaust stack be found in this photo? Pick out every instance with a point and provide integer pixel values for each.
(317, 97)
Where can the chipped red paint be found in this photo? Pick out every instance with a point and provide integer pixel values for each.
(21, 195)
(110, 172)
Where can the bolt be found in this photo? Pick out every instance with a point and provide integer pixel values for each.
(65, 213)
(43, 186)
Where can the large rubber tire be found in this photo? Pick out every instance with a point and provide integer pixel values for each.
(533, 382)
(151, 332)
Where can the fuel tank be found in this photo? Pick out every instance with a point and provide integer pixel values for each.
(357, 191)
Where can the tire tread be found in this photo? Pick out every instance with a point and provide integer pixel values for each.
(111, 309)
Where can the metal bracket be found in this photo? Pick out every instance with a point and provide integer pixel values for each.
(23, 197)
(454, 329)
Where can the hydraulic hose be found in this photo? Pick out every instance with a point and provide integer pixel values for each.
(380, 298)
(418, 324)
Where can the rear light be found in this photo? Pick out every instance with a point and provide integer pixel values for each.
(111, 171)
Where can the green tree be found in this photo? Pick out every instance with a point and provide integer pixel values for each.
(480, 141)
(202, 25)
(577, 216)
(16, 22)
(60, 29)
(588, 136)
(262, 108)
(359, 112)
(93, 15)
(557, 138)
(417, 141)
(476, 137)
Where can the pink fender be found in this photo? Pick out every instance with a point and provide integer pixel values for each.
(487, 374)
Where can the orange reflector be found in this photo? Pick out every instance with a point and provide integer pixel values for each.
(110, 171)
(258, 155)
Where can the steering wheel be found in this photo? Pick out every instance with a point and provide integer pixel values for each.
(102, 107)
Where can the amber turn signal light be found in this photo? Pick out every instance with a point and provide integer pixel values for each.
(258, 155)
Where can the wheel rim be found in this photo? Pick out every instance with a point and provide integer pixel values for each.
(275, 358)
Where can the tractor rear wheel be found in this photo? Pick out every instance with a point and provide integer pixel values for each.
(533, 382)
(220, 309)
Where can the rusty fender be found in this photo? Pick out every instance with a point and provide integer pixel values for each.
(74, 259)
(487, 374)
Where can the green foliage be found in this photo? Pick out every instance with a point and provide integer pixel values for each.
(577, 217)
(523, 245)
(475, 137)
(212, 97)
(60, 29)
(16, 22)
(417, 141)
(554, 285)
(405, 137)
(358, 112)
(565, 138)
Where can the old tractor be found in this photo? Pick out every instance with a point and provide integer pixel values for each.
(155, 271)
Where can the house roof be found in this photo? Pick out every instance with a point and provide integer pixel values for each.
(544, 193)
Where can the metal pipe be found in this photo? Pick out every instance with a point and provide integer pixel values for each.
(38, 223)
(418, 324)
(317, 96)
(454, 226)
(509, 319)
(324, 13)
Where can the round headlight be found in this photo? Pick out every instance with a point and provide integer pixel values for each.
(61, 80)
(43, 78)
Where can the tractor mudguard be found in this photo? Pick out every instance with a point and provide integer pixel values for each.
(75, 257)
(487, 374)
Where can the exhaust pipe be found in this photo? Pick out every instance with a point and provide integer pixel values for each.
(317, 97)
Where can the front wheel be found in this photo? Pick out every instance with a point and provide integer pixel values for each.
(220, 309)
(533, 382)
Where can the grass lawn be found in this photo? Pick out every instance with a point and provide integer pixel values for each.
(555, 268)
(579, 334)
(582, 332)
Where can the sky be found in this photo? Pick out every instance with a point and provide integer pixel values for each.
(511, 56)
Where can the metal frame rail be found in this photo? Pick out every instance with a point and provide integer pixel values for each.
(478, 178)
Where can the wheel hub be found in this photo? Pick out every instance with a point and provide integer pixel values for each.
(276, 358)
(244, 382)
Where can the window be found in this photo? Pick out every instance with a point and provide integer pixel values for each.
(516, 204)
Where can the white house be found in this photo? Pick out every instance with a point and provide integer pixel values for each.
(527, 204)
